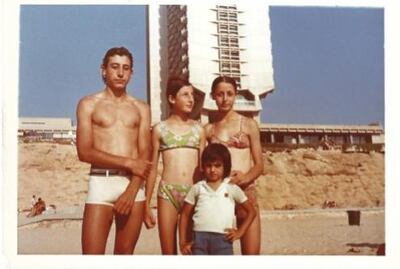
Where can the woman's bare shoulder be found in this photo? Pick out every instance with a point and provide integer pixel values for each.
(250, 123)
(207, 127)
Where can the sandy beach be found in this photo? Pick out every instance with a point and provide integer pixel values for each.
(292, 193)
(283, 233)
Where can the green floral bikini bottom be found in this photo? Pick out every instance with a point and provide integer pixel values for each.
(174, 193)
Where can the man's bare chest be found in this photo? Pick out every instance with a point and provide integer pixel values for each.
(116, 115)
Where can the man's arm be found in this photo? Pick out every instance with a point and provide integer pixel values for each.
(149, 219)
(87, 152)
(124, 203)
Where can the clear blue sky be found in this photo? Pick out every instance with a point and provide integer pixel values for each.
(328, 62)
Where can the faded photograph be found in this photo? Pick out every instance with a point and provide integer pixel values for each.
(201, 129)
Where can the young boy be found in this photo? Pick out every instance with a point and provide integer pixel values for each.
(213, 203)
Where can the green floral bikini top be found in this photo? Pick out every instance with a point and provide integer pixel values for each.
(169, 140)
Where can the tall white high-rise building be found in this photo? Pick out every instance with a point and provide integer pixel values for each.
(201, 42)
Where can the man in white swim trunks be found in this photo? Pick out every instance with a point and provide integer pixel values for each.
(113, 135)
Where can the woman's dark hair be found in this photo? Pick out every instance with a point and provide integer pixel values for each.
(217, 152)
(175, 84)
(121, 51)
(225, 79)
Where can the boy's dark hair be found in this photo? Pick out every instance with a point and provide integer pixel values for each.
(121, 51)
(175, 84)
(217, 152)
(225, 79)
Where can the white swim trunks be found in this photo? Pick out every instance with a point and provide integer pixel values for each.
(105, 190)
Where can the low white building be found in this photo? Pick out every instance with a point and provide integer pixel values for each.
(271, 133)
(46, 128)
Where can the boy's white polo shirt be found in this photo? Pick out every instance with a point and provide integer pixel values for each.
(214, 211)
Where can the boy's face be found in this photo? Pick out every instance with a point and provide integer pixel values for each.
(214, 170)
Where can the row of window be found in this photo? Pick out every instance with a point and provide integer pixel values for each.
(232, 55)
(228, 42)
(314, 139)
(230, 66)
(225, 27)
(226, 7)
(227, 16)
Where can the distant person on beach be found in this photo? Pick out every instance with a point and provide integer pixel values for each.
(213, 203)
(33, 201)
(242, 137)
(38, 208)
(180, 141)
(113, 135)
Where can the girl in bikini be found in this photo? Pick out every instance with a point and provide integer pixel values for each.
(180, 141)
(242, 137)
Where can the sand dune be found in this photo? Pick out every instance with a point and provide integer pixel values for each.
(298, 179)
(307, 178)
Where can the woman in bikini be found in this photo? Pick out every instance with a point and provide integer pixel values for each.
(242, 137)
(180, 141)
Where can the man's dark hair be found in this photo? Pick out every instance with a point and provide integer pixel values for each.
(217, 152)
(121, 51)
(225, 79)
(175, 84)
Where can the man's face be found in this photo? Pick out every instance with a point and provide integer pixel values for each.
(118, 72)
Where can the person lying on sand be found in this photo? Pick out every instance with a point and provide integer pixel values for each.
(37, 208)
